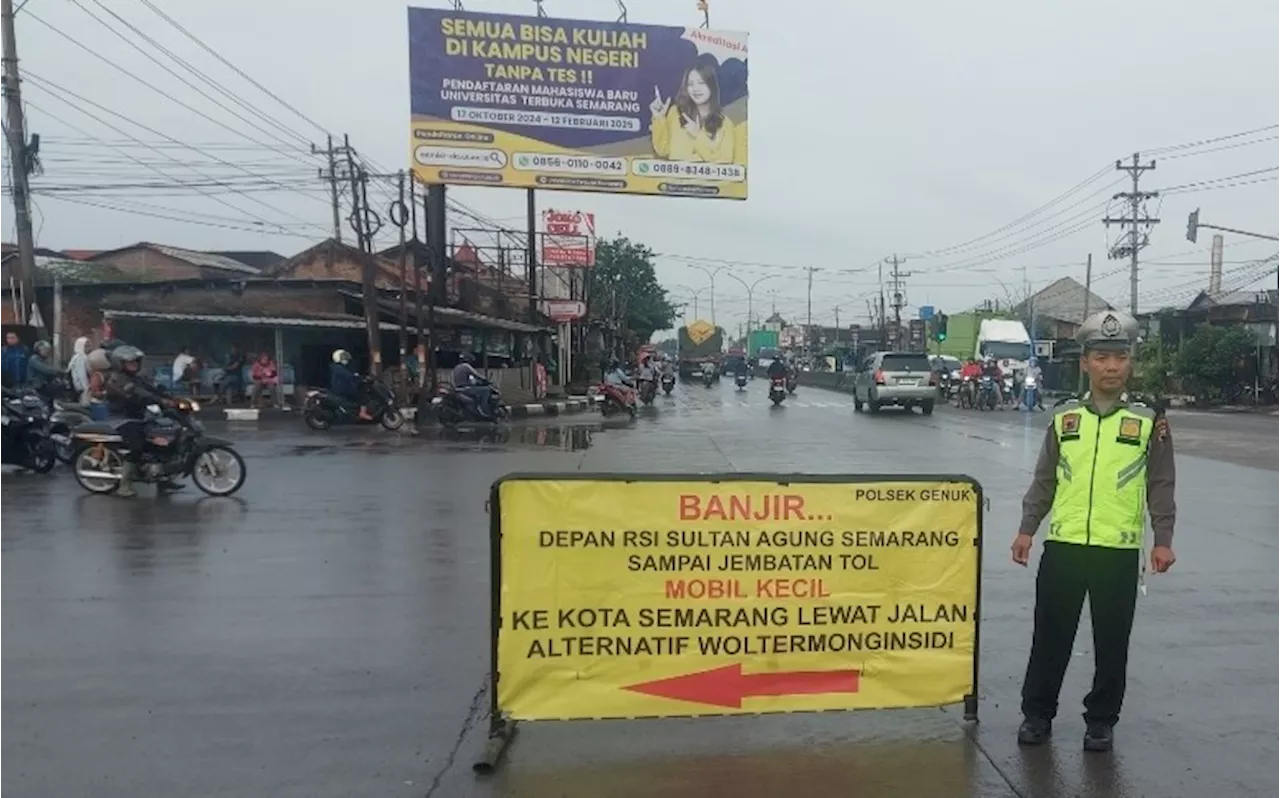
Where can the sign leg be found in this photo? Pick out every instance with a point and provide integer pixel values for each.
(501, 731)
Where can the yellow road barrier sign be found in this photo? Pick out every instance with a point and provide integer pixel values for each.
(673, 595)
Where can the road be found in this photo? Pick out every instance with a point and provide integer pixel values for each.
(325, 632)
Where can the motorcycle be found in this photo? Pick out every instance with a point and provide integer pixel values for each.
(709, 376)
(1010, 398)
(987, 393)
(62, 422)
(176, 446)
(741, 382)
(968, 393)
(1030, 393)
(668, 383)
(322, 409)
(617, 399)
(777, 390)
(791, 382)
(945, 385)
(25, 438)
(648, 390)
(453, 407)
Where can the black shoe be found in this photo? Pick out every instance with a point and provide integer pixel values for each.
(1035, 731)
(170, 485)
(1098, 736)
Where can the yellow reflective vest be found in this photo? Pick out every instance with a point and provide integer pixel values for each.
(1101, 495)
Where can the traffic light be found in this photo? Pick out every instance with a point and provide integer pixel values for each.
(940, 327)
(1193, 223)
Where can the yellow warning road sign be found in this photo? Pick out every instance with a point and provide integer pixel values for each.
(627, 596)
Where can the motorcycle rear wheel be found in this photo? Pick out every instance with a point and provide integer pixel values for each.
(43, 458)
(205, 463)
(393, 419)
(316, 421)
(112, 462)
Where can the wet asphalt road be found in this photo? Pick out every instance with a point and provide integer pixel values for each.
(324, 633)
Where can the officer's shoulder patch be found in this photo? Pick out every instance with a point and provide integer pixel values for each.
(1070, 423)
(1130, 429)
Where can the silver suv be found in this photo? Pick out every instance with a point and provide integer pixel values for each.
(902, 379)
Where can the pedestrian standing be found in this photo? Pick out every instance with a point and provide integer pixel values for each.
(78, 369)
(1105, 461)
(13, 361)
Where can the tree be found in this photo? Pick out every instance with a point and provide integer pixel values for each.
(624, 288)
(1215, 361)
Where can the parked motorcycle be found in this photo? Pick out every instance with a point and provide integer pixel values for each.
(25, 440)
(741, 382)
(617, 399)
(176, 446)
(777, 390)
(453, 407)
(987, 393)
(322, 409)
(668, 383)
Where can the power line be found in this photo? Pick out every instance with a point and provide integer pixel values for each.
(55, 90)
(205, 223)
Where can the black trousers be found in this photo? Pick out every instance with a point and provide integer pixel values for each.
(1068, 573)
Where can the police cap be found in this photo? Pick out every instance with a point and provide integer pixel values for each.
(1110, 330)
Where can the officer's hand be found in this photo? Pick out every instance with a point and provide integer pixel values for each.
(1021, 549)
(1162, 559)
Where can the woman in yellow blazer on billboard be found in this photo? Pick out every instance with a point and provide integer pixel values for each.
(694, 127)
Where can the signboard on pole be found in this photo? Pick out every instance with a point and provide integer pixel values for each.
(568, 238)
(539, 102)
(564, 310)
(677, 595)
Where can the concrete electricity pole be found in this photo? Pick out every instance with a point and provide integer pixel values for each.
(1139, 223)
(897, 286)
(332, 177)
(16, 134)
(808, 325)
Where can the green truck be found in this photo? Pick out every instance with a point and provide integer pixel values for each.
(761, 339)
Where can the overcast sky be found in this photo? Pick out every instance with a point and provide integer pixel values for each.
(875, 128)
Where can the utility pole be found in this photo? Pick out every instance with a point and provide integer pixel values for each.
(401, 222)
(1088, 289)
(836, 310)
(897, 286)
(332, 177)
(808, 326)
(1139, 223)
(21, 161)
(369, 288)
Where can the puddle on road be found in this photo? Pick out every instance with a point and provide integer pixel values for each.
(568, 438)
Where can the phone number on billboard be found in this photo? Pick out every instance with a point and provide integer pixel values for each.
(573, 164)
(730, 172)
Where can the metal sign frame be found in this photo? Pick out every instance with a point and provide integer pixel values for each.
(502, 728)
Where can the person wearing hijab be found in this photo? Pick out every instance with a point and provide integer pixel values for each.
(78, 369)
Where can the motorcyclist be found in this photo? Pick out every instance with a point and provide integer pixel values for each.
(344, 384)
(778, 369)
(616, 375)
(42, 375)
(740, 368)
(1037, 374)
(129, 393)
(472, 385)
(992, 369)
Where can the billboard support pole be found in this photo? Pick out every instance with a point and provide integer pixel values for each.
(501, 728)
(531, 252)
(436, 223)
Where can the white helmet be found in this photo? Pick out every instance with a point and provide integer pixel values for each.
(341, 356)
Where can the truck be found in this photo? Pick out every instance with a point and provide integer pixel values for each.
(761, 339)
(699, 342)
(1005, 339)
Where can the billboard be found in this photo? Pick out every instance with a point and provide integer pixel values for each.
(539, 102)
(568, 238)
(673, 595)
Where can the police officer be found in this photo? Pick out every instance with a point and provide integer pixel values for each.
(1105, 461)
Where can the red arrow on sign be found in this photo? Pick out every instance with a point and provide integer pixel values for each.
(727, 686)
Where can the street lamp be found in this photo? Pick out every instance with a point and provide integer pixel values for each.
(750, 288)
(694, 292)
(711, 275)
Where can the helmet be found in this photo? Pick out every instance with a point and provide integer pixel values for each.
(125, 354)
(466, 357)
(341, 356)
(42, 348)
